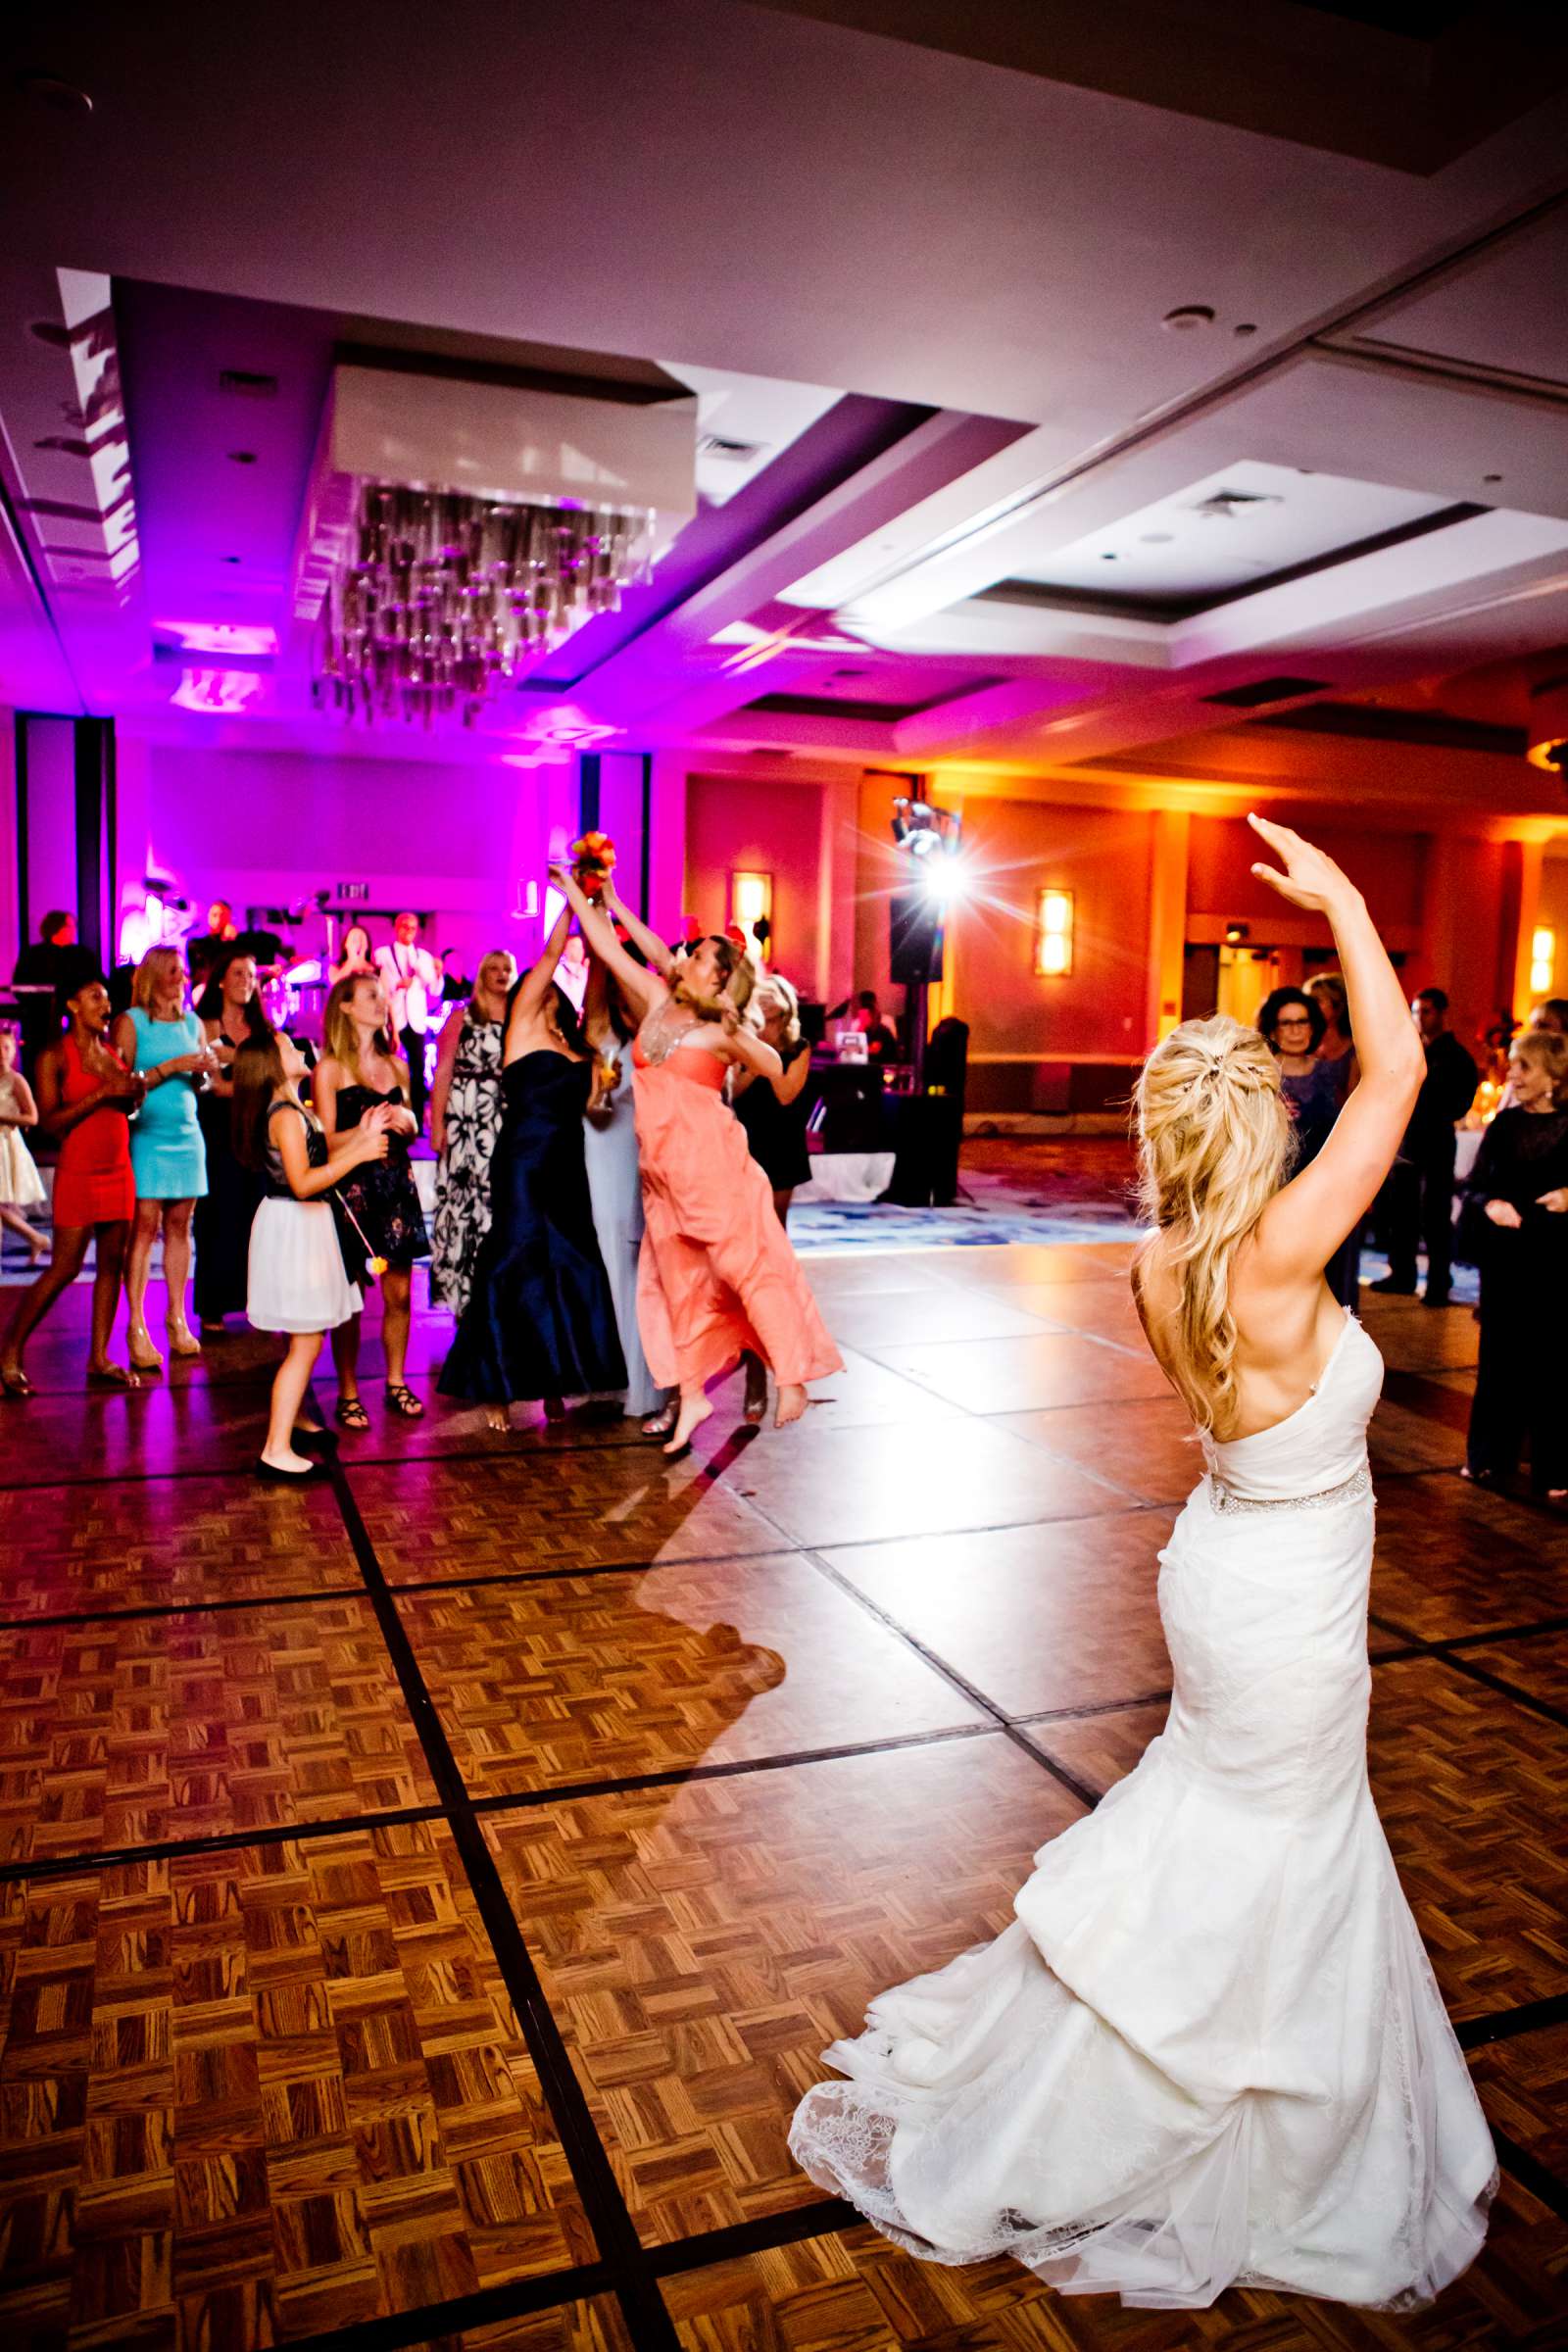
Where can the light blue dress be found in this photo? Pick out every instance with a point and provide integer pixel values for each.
(167, 1150)
(615, 1195)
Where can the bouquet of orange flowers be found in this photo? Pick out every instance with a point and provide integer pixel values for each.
(593, 861)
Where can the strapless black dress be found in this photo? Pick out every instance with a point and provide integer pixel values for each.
(540, 1320)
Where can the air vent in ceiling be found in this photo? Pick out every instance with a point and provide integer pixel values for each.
(247, 383)
(731, 453)
(1266, 690)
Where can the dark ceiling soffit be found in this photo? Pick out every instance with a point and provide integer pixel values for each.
(1433, 731)
(853, 434)
(514, 377)
(1165, 609)
(1411, 99)
(1257, 691)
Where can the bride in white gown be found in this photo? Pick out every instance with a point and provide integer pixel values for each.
(1209, 2050)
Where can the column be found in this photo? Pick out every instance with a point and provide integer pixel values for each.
(1168, 921)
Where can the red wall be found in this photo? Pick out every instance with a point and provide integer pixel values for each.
(1014, 849)
(1385, 867)
(773, 826)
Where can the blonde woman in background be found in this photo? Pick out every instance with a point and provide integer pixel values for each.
(1210, 2052)
(360, 1075)
(164, 1042)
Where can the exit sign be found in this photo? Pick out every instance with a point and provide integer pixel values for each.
(349, 891)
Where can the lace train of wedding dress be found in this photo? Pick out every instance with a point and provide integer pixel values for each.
(1209, 2050)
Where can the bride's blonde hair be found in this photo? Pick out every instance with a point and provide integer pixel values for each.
(1213, 1140)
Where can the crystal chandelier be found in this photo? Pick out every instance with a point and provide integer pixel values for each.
(437, 598)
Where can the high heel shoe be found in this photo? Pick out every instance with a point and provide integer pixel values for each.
(144, 1356)
(182, 1341)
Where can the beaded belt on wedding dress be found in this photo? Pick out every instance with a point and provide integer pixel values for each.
(1226, 1501)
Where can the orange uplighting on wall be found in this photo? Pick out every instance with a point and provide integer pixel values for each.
(751, 900)
(1054, 934)
(1543, 959)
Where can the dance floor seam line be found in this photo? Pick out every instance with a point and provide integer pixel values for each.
(216, 1841)
(1508, 2025)
(951, 1676)
(609, 2216)
(178, 1609)
(1546, 2187)
(997, 1725)
(491, 2306)
(1506, 1689)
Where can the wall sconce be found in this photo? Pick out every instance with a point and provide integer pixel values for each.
(750, 901)
(1054, 934)
(1543, 959)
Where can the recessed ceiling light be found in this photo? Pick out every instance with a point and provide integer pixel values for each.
(242, 456)
(1191, 315)
(60, 97)
(1491, 477)
(1107, 556)
(1246, 329)
(1157, 538)
(228, 558)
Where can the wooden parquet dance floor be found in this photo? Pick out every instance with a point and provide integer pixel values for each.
(424, 1897)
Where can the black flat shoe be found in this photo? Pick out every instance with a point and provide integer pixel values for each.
(271, 1475)
(315, 1440)
(1392, 1289)
(1437, 1299)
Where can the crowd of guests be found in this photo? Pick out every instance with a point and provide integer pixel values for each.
(609, 1218)
(1512, 1220)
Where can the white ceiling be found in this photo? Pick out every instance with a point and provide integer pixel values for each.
(1224, 533)
(808, 211)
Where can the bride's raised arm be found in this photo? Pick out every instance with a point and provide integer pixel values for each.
(1306, 1223)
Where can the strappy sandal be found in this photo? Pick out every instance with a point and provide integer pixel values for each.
(349, 1413)
(404, 1401)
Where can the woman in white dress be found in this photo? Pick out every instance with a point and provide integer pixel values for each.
(1209, 2050)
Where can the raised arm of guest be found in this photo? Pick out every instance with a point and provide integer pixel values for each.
(596, 1027)
(539, 978)
(658, 952)
(642, 989)
(1306, 1221)
(751, 1052)
(441, 1084)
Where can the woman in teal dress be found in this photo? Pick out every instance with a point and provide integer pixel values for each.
(163, 1042)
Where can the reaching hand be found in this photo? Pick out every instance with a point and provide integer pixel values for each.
(1311, 878)
(1504, 1214)
(372, 1142)
(1557, 1201)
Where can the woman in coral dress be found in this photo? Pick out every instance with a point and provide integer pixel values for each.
(85, 1093)
(716, 1276)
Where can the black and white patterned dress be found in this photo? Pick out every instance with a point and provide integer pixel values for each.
(463, 1180)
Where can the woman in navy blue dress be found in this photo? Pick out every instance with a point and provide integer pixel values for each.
(540, 1320)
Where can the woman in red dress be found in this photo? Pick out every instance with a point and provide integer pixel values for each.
(716, 1277)
(84, 1094)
